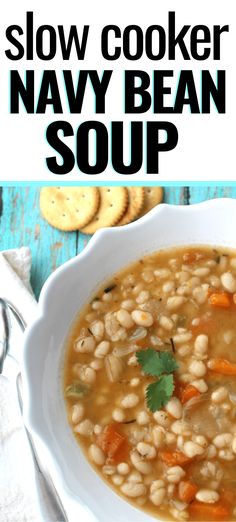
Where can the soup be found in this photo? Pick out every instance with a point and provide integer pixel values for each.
(150, 384)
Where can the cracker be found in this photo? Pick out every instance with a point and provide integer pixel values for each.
(136, 201)
(153, 196)
(69, 208)
(113, 203)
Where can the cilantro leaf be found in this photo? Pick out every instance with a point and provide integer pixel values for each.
(159, 392)
(156, 363)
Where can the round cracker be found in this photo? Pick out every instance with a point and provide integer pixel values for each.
(113, 203)
(152, 197)
(136, 201)
(69, 208)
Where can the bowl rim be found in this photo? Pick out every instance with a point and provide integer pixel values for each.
(90, 249)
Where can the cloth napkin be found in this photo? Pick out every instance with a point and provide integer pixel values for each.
(18, 495)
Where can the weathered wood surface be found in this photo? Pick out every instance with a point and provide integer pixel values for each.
(22, 225)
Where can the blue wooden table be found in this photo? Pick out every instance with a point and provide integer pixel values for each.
(22, 225)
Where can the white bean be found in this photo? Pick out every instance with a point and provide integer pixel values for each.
(77, 412)
(226, 454)
(158, 436)
(180, 427)
(201, 345)
(166, 322)
(142, 318)
(201, 272)
(223, 440)
(102, 349)
(182, 338)
(143, 297)
(125, 318)
(219, 395)
(85, 345)
(157, 484)
(108, 470)
(162, 273)
(200, 294)
(146, 450)
(97, 328)
(87, 375)
(174, 408)
(173, 303)
(175, 474)
(118, 415)
(117, 479)
(197, 368)
(84, 428)
(207, 495)
(135, 477)
(158, 496)
(96, 365)
(96, 455)
(130, 401)
(143, 418)
(162, 418)
(229, 282)
(123, 468)
(133, 490)
(141, 465)
(200, 385)
(168, 287)
(128, 304)
(234, 444)
(191, 449)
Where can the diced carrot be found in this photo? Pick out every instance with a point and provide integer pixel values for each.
(188, 393)
(192, 257)
(222, 366)
(201, 511)
(220, 299)
(113, 443)
(187, 491)
(228, 496)
(174, 458)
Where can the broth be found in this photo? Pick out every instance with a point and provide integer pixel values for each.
(177, 462)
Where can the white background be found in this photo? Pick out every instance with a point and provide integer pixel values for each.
(206, 142)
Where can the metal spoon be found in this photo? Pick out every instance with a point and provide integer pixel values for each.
(45, 483)
(4, 332)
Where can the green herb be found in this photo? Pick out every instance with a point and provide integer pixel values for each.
(159, 392)
(76, 390)
(161, 365)
(156, 363)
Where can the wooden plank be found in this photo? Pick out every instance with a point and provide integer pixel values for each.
(172, 195)
(202, 193)
(22, 225)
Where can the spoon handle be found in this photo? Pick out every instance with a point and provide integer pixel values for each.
(42, 475)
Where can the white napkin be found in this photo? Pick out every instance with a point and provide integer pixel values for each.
(18, 497)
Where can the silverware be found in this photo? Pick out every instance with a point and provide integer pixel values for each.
(45, 482)
(4, 332)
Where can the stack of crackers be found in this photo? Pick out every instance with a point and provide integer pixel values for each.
(89, 208)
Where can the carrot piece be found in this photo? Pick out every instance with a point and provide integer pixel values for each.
(228, 495)
(222, 366)
(187, 491)
(220, 300)
(112, 443)
(174, 458)
(188, 393)
(192, 257)
(202, 511)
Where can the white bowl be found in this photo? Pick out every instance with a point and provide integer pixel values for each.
(85, 495)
